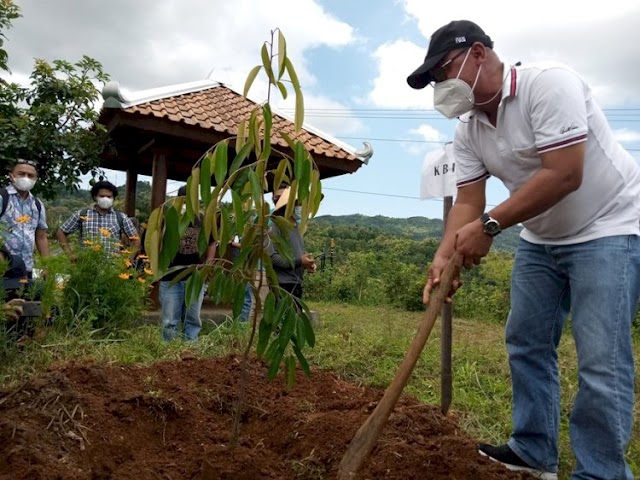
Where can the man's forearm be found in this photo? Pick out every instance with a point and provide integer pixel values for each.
(459, 215)
(42, 244)
(63, 241)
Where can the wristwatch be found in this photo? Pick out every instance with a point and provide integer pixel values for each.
(491, 225)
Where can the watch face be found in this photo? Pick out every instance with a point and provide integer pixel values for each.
(492, 228)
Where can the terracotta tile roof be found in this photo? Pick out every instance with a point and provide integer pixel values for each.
(221, 109)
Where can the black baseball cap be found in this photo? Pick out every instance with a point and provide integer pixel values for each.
(454, 35)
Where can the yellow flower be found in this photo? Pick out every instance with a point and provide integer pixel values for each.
(126, 252)
(128, 263)
(23, 280)
(142, 280)
(97, 248)
(84, 218)
(88, 242)
(105, 232)
(148, 271)
(23, 218)
(118, 244)
(143, 256)
(125, 276)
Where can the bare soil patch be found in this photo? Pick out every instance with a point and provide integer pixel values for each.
(172, 420)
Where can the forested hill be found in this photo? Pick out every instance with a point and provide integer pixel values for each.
(414, 228)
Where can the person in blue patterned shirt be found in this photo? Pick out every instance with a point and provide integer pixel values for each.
(100, 225)
(23, 225)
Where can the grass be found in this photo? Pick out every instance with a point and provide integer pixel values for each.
(364, 345)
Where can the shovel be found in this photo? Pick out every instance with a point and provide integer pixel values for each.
(367, 435)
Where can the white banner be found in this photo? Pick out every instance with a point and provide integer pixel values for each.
(438, 174)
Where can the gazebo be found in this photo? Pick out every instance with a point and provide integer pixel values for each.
(162, 132)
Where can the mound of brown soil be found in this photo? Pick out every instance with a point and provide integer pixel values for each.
(173, 420)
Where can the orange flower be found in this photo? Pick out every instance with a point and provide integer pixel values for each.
(105, 232)
(128, 263)
(88, 242)
(118, 244)
(84, 218)
(148, 271)
(23, 218)
(142, 280)
(125, 276)
(143, 256)
(23, 280)
(126, 252)
(97, 248)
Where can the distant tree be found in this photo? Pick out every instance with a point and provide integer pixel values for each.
(53, 120)
(8, 12)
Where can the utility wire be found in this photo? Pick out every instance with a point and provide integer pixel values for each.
(408, 140)
(379, 194)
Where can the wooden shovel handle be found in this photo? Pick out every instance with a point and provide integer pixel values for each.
(367, 435)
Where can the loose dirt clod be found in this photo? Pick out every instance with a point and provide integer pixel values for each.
(173, 420)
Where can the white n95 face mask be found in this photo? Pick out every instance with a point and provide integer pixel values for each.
(105, 202)
(24, 184)
(454, 97)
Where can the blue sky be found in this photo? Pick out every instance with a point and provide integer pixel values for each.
(352, 57)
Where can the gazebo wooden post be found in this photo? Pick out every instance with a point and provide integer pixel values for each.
(158, 196)
(159, 178)
(130, 191)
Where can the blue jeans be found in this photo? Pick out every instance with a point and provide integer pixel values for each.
(599, 283)
(175, 312)
(246, 306)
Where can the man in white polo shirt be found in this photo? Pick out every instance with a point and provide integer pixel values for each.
(577, 193)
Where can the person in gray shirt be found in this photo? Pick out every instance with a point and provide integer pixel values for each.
(290, 274)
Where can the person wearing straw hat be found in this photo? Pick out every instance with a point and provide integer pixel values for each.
(290, 275)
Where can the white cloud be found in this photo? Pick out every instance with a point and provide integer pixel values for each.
(150, 43)
(390, 89)
(429, 135)
(624, 135)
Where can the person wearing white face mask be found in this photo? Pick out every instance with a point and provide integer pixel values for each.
(101, 225)
(23, 219)
(577, 193)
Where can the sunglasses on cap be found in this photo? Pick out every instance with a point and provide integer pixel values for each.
(439, 73)
(22, 161)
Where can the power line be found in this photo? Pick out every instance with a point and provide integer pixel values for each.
(408, 140)
(379, 194)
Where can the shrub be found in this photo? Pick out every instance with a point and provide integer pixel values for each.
(103, 291)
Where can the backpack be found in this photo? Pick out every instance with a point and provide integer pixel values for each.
(4, 193)
(119, 216)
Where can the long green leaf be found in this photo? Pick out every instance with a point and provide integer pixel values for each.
(250, 78)
(205, 179)
(240, 157)
(266, 63)
(193, 204)
(170, 239)
(280, 172)
(282, 54)
(221, 162)
(283, 90)
(303, 361)
(268, 121)
(256, 187)
(275, 362)
(299, 112)
(152, 237)
(193, 287)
